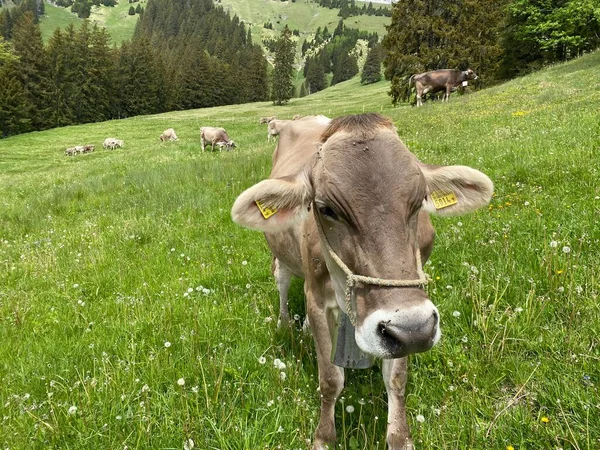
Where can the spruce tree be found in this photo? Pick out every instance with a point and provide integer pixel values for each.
(344, 68)
(371, 72)
(283, 87)
(33, 69)
(13, 99)
(61, 62)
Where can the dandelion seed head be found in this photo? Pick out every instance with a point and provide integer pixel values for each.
(72, 410)
(349, 409)
(566, 249)
(181, 382)
(420, 418)
(553, 244)
(167, 344)
(456, 314)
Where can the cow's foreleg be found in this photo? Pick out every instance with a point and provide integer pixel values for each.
(395, 372)
(419, 98)
(331, 377)
(202, 143)
(283, 278)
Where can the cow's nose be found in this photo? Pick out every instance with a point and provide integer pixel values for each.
(403, 340)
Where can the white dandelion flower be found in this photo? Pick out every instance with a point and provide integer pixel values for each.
(282, 375)
(72, 410)
(167, 344)
(566, 249)
(420, 418)
(456, 314)
(181, 382)
(553, 244)
(349, 409)
(262, 360)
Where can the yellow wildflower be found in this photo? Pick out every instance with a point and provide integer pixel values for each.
(510, 447)
(545, 419)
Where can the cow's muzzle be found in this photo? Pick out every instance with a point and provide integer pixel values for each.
(401, 332)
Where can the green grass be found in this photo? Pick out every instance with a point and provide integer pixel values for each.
(56, 17)
(99, 252)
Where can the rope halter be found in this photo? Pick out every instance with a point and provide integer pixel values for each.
(352, 279)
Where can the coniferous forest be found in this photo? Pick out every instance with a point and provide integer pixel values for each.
(184, 54)
(192, 54)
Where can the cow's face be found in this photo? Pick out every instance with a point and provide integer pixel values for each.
(470, 74)
(369, 192)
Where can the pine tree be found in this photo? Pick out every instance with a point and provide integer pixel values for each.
(315, 76)
(283, 87)
(371, 72)
(61, 61)
(344, 68)
(13, 99)
(33, 69)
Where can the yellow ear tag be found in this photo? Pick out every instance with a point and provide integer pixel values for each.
(265, 210)
(443, 199)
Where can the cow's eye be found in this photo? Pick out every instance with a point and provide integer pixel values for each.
(329, 212)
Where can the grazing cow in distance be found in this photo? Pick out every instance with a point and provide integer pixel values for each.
(79, 149)
(265, 119)
(168, 135)
(112, 143)
(439, 80)
(215, 136)
(346, 207)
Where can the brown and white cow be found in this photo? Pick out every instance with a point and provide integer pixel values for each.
(168, 135)
(439, 80)
(215, 136)
(346, 208)
(112, 143)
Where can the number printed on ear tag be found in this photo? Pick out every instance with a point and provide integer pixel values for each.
(265, 210)
(443, 199)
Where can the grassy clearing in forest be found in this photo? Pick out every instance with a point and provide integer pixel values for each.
(134, 313)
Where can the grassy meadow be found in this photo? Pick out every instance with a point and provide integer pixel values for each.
(134, 314)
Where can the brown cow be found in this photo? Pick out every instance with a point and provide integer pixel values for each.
(346, 208)
(275, 126)
(168, 135)
(440, 80)
(215, 136)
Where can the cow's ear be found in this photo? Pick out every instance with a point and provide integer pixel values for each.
(455, 190)
(274, 204)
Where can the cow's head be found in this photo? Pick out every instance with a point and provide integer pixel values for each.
(470, 74)
(370, 194)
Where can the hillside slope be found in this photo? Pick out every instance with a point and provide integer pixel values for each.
(133, 312)
(302, 15)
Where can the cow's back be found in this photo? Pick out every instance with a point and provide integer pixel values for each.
(298, 142)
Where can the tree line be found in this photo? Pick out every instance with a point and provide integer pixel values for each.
(349, 8)
(184, 54)
(499, 39)
(335, 54)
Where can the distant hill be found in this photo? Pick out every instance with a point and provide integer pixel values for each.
(302, 15)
